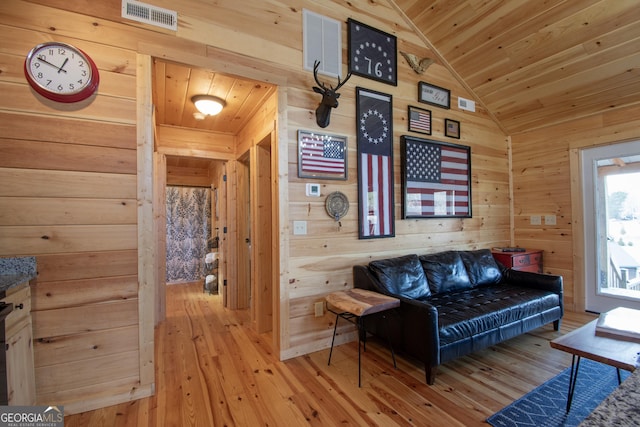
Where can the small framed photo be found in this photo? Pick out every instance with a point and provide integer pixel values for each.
(452, 128)
(434, 95)
(322, 156)
(419, 120)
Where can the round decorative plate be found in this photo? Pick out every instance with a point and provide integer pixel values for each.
(337, 205)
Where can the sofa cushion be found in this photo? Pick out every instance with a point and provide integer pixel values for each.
(401, 276)
(481, 267)
(445, 272)
(469, 313)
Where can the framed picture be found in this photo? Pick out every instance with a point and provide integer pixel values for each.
(419, 120)
(372, 53)
(452, 128)
(374, 128)
(436, 179)
(434, 95)
(321, 155)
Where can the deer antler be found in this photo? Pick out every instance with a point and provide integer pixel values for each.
(316, 65)
(343, 82)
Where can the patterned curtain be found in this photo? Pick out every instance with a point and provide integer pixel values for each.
(188, 229)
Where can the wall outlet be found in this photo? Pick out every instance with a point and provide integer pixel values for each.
(535, 220)
(550, 219)
(299, 228)
(319, 309)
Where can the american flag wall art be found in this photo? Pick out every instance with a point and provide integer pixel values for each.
(419, 120)
(321, 155)
(374, 128)
(436, 179)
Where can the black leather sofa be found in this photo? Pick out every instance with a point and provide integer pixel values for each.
(456, 302)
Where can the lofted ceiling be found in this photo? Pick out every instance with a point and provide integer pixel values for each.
(532, 63)
(529, 63)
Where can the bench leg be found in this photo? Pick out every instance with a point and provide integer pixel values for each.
(362, 336)
(556, 325)
(333, 339)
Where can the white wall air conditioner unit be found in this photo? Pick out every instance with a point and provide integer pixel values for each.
(148, 14)
(466, 104)
(322, 41)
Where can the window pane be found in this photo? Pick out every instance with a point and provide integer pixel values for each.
(620, 254)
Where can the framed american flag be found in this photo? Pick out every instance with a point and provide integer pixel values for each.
(321, 155)
(419, 120)
(436, 179)
(374, 129)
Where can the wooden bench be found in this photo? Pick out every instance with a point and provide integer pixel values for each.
(354, 305)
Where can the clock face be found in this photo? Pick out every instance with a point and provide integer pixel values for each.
(372, 53)
(61, 72)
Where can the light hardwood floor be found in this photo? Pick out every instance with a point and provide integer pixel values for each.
(213, 370)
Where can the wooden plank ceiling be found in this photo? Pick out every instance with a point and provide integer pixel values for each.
(175, 84)
(529, 63)
(532, 63)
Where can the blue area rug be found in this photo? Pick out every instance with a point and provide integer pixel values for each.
(546, 405)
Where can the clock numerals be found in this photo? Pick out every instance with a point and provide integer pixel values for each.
(61, 72)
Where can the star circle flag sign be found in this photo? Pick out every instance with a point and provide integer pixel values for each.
(375, 164)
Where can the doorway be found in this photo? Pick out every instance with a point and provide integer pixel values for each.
(611, 210)
(189, 230)
(221, 139)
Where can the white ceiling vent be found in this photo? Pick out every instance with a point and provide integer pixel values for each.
(148, 14)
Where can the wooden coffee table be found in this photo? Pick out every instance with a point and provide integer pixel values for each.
(583, 342)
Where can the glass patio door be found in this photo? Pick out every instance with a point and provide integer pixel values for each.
(611, 194)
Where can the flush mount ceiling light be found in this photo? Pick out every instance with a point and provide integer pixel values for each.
(207, 104)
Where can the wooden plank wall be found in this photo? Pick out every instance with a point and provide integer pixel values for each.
(85, 156)
(69, 197)
(546, 181)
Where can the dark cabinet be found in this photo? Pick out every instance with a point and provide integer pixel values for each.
(529, 260)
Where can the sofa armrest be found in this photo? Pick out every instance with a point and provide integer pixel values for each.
(420, 330)
(418, 320)
(363, 279)
(547, 282)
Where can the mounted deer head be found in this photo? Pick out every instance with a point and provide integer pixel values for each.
(330, 97)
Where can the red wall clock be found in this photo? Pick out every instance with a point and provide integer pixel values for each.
(61, 72)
